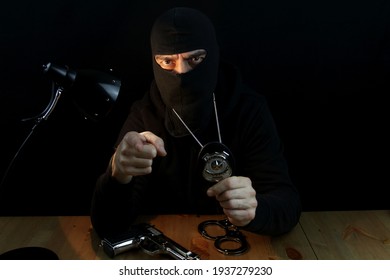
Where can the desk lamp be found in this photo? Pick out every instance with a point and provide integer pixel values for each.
(94, 93)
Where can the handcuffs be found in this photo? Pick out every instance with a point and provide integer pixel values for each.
(232, 235)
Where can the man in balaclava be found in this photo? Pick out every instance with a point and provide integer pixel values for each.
(152, 170)
(183, 30)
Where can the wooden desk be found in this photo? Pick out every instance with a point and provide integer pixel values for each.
(72, 237)
(348, 235)
(319, 235)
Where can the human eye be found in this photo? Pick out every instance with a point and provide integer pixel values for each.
(196, 59)
(165, 63)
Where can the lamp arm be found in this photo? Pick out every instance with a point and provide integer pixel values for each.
(49, 109)
(38, 119)
(12, 162)
(44, 115)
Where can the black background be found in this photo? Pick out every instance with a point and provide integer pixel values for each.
(323, 66)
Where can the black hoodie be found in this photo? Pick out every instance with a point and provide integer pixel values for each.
(176, 186)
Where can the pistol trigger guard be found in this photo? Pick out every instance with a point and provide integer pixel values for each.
(149, 247)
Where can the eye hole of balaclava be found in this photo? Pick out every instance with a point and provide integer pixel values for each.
(177, 31)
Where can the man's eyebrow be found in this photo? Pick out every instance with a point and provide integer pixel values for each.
(165, 56)
(200, 52)
(173, 56)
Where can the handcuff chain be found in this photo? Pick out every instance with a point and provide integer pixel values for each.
(232, 234)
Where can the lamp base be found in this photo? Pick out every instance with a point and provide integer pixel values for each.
(29, 253)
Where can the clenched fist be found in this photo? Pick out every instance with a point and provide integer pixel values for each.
(134, 155)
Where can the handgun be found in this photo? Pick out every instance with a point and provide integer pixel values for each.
(149, 239)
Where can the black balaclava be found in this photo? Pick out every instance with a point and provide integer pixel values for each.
(182, 30)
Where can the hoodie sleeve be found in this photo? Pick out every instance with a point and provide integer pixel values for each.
(261, 158)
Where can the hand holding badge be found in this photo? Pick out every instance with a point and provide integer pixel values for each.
(218, 165)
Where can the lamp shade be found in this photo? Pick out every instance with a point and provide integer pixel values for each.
(94, 92)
